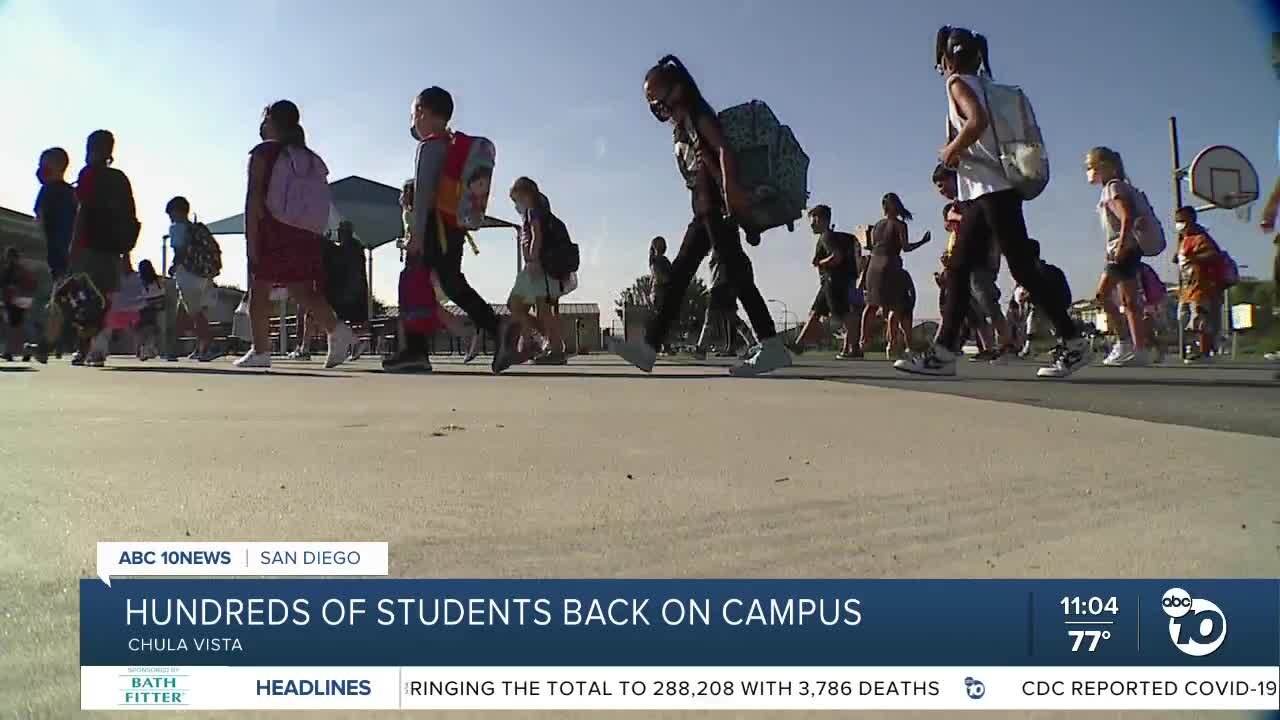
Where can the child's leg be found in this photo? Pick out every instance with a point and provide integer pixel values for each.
(1133, 315)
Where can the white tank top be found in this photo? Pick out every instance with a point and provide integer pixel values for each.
(977, 174)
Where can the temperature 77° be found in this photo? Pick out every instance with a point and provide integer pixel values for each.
(1089, 639)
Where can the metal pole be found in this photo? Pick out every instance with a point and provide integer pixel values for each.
(1177, 203)
(370, 298)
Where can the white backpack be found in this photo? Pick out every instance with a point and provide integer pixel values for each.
(1023, 158)
(1147, 228)
(298, 190)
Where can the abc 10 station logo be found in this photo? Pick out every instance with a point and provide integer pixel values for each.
(1197, 626)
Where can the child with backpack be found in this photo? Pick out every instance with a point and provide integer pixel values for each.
(197, 260)
(540, 283)
(1200, 261)
(105, 230)
(996, 183)
(1132, 232)
(445, 171)
(710, 174)
(286, 213)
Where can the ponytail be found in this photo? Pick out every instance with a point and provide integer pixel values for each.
(893, 207)
(671, 69)
(966, 50)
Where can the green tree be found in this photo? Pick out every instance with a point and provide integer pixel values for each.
(692, 309)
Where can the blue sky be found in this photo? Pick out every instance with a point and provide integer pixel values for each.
(557, 86)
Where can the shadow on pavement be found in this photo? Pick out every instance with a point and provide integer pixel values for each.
(16, 368)
(220, 371)
(1143, 382)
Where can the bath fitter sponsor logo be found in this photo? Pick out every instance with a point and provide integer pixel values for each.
(154, 687)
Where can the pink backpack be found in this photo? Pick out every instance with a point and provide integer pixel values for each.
(1153, 288)
(298, 193)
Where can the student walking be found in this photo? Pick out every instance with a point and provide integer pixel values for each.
(721, 323)
(660, 275)
(537, 286)
(106, 229)
(17, 289)
(709, 171)
(1200, 262)
(886, 282)
(1124, 213)
(55, 212)
(430, 113)
(286, 211)
(963, 58)
(196, 261)
(986, 316)
(835, 257)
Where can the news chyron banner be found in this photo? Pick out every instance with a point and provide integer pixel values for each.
(355, 643)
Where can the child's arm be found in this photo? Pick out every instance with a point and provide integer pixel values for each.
(426, 180)
(710, 132)
(535, 240)
(255, 202)
(1122, 207)
(911, 247)
(1272, 206)
(974, 125)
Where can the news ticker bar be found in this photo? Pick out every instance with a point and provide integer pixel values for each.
(679, 688)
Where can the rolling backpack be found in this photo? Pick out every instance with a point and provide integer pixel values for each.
(1024, 161)
(463, 196)
(420, 309)
(560, 257)
(203, 256)
(80, 303)
(298, 190)
(773, 170)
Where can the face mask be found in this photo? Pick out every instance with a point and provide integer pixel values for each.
(413, 133)
(1180, 227)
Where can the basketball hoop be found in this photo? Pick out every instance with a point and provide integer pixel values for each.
(1223, 176)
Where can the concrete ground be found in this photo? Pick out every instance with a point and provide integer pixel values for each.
(594, 470)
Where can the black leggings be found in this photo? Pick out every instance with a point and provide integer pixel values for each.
(996, 217)
(703, 234)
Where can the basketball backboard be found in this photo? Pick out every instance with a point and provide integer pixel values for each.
(1223, 176)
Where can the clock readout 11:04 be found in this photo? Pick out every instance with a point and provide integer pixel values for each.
(1078, 606)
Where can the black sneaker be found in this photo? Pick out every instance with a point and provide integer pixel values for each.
(1066, 359)
(6, 356)
(508, 342)
(40, 352)
(406, 362)
(77, 360)
(699, 354)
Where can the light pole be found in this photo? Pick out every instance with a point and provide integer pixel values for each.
(784, 314)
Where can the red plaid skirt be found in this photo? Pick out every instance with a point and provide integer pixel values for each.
(287, 254)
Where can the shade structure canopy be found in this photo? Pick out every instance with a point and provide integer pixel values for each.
(373, 209)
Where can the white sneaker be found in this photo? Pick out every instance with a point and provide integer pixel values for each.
(773, 355)
(937, 361)
(1272, 357)
(340, 341)
(637, 352)
(1066, 359)
(295, 354)
(253, 359)
(1121, 353)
